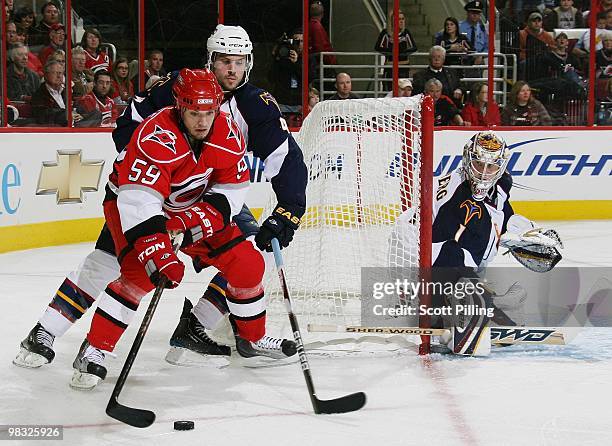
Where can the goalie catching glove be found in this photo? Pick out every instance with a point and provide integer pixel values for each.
(281, 224)
(199, 222)
(534, 248)
(156, 255)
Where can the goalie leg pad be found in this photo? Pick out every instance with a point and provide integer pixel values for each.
(471, 335)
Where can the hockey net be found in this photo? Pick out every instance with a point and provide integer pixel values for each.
(366, 161)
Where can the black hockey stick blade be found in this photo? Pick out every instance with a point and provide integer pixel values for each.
(129, 415)
(344, 404)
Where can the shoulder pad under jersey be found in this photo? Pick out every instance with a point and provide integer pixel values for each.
(257, 104)
(225, 144)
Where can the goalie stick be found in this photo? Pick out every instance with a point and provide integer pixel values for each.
(114, 409)
(348, 403)
(499, 335)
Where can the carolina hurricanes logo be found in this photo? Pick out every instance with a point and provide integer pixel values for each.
(162, 136)
(233, 133)
(471, 209)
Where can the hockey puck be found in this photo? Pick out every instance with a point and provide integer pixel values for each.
(184, 425)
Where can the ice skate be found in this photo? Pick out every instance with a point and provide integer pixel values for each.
(190, 345)
(88, 368)
(37, 349)
(267, 351)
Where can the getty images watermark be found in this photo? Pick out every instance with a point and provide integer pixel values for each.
(399, 296)
(563, 297)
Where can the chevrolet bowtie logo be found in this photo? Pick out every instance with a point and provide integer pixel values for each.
(69, 177)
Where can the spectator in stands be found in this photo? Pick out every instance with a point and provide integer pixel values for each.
(604, 105)
(57, 41)
(404, 89)
(49, 101)
(82, 78)
(533, 38)
(98, 101)
(21, 81)
(604, 6)
(344, 85)
(313, 97)
(8, 7)
(122, 87)
(474, 29)
(96, 58)
(154, 65)
(445, 112)
(24, 19)
(455, 43)
(533, 42)
(59, 56)
(15, 34)
(603, 59)
(522, 9)
(437, 70)
(318, 39)
(12, 37)
(560, 73)
(50, 16)
(523, 109)
(477, 111)
(584, 44)
(286, 69)
(407, 45)
(564, 16)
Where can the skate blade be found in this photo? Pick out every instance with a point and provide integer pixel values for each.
(84, 381)
(188, 358)
(257, 362)
(29, 360)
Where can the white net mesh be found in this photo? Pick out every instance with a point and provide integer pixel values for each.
(363, 159)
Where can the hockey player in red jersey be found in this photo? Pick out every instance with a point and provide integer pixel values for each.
(259, 119)
(184, 162)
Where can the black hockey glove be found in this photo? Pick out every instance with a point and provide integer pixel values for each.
(281, 224)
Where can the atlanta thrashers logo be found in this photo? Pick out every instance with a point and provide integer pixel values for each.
(471, 210)
(162, 136)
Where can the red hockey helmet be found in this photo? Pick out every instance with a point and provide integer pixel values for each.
(197, 90)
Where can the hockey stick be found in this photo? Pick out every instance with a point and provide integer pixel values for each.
(348, 403)
(131, 415)
(499, 335)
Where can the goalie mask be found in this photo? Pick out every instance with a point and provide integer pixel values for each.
(485, 158)
(233, 41)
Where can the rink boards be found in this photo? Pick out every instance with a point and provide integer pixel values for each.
(52, 184)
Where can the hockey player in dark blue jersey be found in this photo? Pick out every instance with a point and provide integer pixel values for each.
(472, 217)
(257, 114)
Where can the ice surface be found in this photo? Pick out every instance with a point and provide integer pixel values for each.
(544, 395)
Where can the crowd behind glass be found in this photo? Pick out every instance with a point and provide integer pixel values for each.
(549, 40)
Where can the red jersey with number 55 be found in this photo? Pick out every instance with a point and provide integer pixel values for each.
(158, 171)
